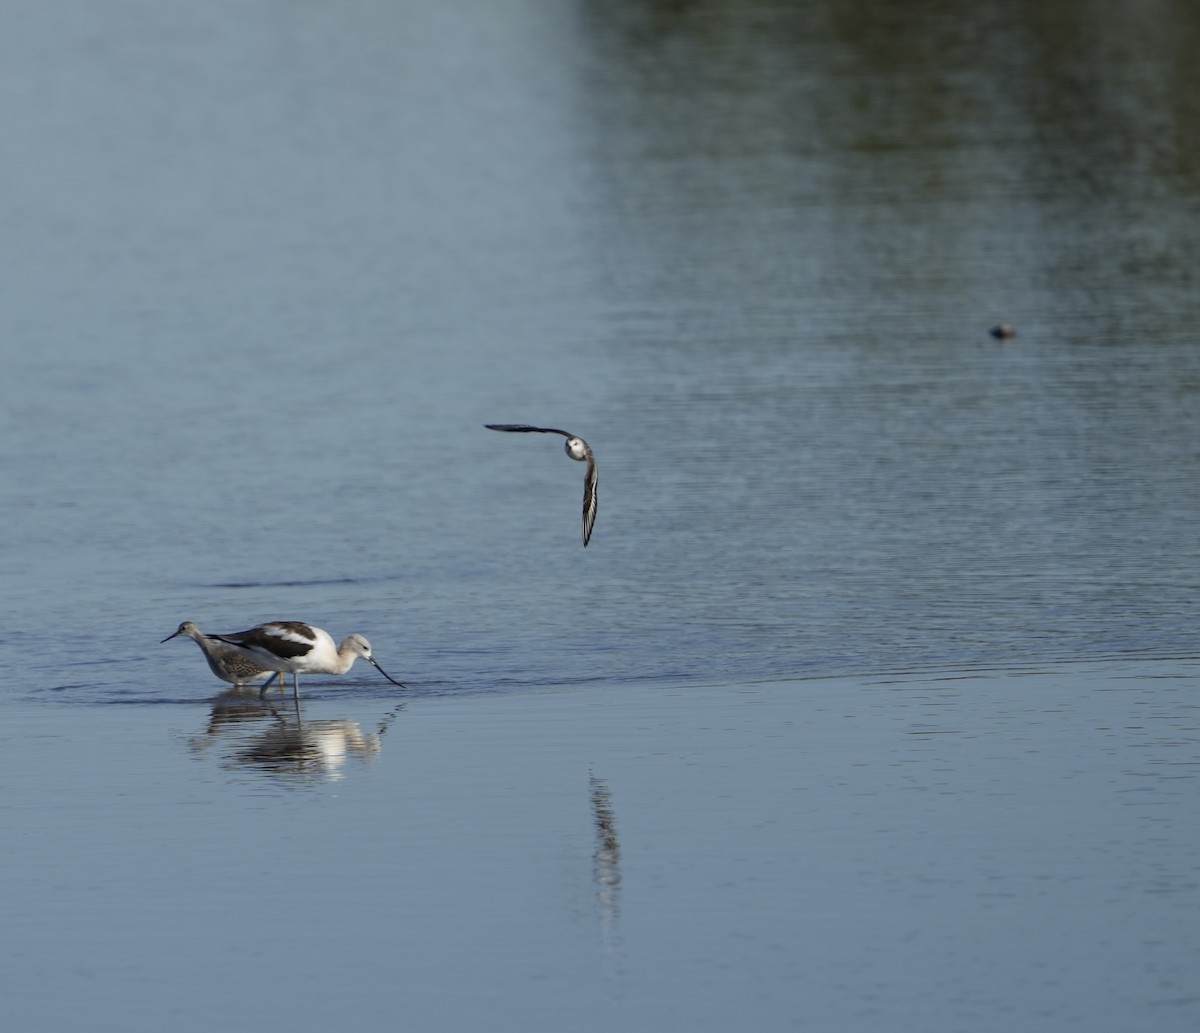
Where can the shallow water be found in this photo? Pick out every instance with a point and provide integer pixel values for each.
(922, 853)
(869, 702)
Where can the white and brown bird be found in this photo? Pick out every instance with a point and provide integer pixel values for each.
(294, 648)
(581, 452)
(224, 661)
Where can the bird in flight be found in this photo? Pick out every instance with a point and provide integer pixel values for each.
(581, 452)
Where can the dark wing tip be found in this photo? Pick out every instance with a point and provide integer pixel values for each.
(526, 428)
(591, 502)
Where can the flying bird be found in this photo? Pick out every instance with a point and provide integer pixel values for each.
(581, 452)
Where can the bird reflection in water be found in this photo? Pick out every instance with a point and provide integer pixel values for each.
(236, 706)
(606, 861)
(289, 747)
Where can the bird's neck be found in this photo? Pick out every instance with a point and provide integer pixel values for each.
(345, 659)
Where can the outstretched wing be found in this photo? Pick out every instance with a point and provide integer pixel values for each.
(525, 428)
(591, 501)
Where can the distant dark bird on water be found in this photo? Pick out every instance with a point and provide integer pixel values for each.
(1003, 331)
(581, 452)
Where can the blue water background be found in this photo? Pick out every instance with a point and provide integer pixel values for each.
(871, 702)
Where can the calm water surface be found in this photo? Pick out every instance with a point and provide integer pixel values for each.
(870, 704)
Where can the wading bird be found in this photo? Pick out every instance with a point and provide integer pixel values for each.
(295, 648)
(224, 661)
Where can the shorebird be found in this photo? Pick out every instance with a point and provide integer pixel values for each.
(289, 646)
(224, 661)
(581, 452)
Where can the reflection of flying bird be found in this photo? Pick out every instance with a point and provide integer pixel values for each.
(606, 862)
(226, 662)
(577, 449)
(289, 646)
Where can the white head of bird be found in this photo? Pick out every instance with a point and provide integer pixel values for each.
(356, 645)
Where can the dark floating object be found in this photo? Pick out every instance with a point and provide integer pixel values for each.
(1003, 331)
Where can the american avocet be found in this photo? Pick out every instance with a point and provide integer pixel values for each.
(224, 661)
(580, 451)
(289, 646)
